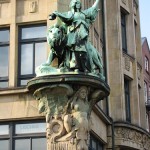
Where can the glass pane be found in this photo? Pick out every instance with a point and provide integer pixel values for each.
(4, 145)
(22, 144)
(100, 146)
(41, 144)
(93, 144)
(4, 84)
(4, 36)
(40, 53)
(4, 61)
(34, 32)
(24, 82)
(4, 129)
(124, 44)
(30, 128)
(26, 59)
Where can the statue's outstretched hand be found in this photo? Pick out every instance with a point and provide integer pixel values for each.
(52, 16)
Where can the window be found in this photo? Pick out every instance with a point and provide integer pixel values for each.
(147, 122)
(23, 136)
(32, 51)
(135, 33)
(95, 144)
(146, 64)
(123, 30)
(4, 137)
(4, 57)
(149, 92)
(127, 100)
(145, 91)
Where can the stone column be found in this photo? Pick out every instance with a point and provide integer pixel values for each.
(67, 102)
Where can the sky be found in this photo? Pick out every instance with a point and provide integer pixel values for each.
(145, 19)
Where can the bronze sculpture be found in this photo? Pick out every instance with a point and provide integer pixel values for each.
(70, 43)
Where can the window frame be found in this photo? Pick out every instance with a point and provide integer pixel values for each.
(28, 41)
(11, 137)
(147, 122)
(145, 91)
(146, 63)
(96, 140)
(127, 100)
(4, 44)
(124, 26)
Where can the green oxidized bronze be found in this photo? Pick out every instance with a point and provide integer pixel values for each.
(69, 42)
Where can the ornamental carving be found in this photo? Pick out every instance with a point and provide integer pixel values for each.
(139, 72)
(65, 92)
(126, 134)
(67, 110)
(127, 63)
(33, 6)
(124, 2)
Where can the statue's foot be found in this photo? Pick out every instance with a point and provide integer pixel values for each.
(86, 71)
(76, 70)
(64, 69)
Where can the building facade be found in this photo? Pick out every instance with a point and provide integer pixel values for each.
(146, 69)
(118, 122)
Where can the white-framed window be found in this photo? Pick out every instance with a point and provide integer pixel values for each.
(146, 64)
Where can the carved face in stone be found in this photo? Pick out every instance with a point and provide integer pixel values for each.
(83, 93)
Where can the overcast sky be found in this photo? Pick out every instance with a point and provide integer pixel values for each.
(145, 18)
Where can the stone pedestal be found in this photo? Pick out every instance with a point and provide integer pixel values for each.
(67, 102)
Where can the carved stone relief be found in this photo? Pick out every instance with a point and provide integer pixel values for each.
(127, 63)
(134, 136)
(124, 2)
(33, 6)
(67, 111)
(125, 5)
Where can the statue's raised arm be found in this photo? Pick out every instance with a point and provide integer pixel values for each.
(75, 6)
(92, 12)
(95, 5)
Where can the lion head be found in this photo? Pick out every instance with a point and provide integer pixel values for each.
(56, 35)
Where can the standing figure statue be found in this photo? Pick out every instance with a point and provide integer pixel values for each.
(78, 22)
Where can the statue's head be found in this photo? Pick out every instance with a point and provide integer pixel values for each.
(83, 91)
(75, 4)
(56, 33)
